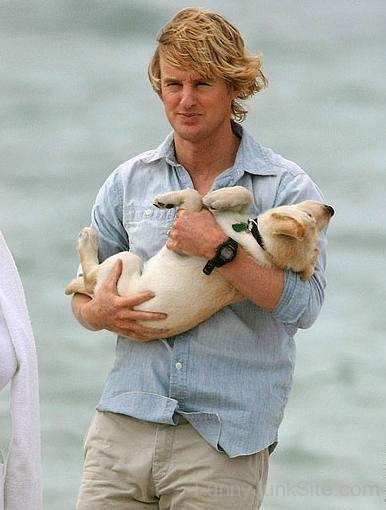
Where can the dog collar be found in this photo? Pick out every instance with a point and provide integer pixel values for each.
(252, 227)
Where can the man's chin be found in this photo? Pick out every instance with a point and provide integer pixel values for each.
(190, 133)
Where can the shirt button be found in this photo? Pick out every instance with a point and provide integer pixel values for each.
(178, 365)
(147, 212)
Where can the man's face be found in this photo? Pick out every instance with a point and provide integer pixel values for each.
(196, 108)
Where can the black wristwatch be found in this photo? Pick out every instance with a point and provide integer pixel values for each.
(225, 253)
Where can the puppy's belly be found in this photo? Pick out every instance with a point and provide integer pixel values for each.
(182, 291)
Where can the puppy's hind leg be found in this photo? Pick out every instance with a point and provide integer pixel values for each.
(237, 199)
(88, 253)
(188, 199)
(75, 286)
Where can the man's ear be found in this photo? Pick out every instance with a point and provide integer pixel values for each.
(235, 92)
(287, 226)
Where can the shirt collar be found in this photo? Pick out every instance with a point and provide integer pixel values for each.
(250, 156)
(163, 151)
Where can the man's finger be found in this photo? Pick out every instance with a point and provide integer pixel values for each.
(115, 274)
(137, 299)
(137, 315)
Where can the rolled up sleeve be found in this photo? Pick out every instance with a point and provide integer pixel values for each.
(107, 218)
(301, 301)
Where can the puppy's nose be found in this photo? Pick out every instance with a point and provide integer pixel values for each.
(329, 209)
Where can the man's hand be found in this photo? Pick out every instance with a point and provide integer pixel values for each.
(195, 233)
(114, 313)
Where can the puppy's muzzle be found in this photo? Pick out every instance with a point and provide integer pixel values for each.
(329, 210)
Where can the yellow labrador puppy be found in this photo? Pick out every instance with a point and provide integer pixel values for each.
(285, 236)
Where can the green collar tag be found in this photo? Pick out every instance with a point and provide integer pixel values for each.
(240, 227)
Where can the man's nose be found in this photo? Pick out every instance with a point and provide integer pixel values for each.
(188, 97)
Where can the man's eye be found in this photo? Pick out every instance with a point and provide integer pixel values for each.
(171, 84)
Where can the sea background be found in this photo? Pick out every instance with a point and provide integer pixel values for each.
(75, 103)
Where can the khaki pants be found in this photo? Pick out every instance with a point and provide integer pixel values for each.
(133, 465)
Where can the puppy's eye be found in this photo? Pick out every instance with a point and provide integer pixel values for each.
(309, 214)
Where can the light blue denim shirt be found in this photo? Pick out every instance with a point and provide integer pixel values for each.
(230, 376)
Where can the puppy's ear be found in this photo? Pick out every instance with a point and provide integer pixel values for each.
(287, 226)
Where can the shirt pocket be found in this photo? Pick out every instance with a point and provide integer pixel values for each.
(147, 228)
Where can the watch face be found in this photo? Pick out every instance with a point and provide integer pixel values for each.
(227, 253)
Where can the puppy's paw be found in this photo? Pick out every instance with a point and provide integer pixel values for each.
(237, 199)
(184, 199)
(165, 201)
(74, 286)
(88, 238)
(307, 273)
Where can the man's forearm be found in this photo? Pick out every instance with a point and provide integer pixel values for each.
(263, 286)
(199, 234)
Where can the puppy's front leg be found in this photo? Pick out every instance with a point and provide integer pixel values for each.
(188, 199)
(237, 199)
(308, 271)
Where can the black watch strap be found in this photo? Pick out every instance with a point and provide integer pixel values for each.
(219, 259)
(209, 266)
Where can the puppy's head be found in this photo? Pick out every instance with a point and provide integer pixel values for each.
(290, 234)
(300, 221)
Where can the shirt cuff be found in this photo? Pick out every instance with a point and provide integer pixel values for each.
(294, 299)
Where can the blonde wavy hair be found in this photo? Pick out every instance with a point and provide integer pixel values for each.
(207, 43)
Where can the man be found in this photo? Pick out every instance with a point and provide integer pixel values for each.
(188, 422)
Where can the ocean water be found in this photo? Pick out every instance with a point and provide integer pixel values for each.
(75, 103)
